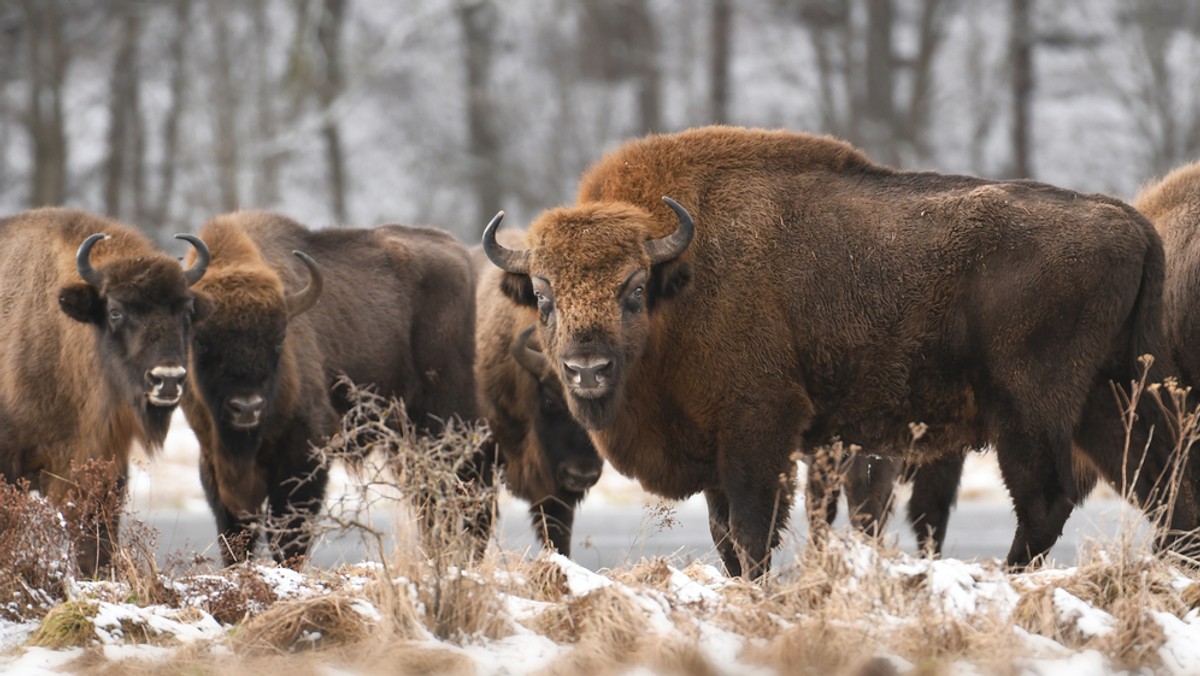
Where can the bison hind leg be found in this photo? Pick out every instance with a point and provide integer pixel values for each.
(1031, 462)
(935, 490)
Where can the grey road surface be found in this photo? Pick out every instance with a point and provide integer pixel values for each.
(608, 536)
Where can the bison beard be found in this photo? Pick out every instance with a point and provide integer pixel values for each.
(827, 297)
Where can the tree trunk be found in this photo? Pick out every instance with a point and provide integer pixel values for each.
(329, 41)
(720, 39)
(1021, 57)
(177, 53)
(483, 141)
(879, 111)
(649, 77)
(48, 59)
(929, 39)
(119, 167)
(266, 179)
(225, 105)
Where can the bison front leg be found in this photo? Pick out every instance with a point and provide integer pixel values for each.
(822, 489)
(935, 489)
(553, 518)
(295, 496)
(870, 480)
(237, 534)
(718, 525)
(758, 481)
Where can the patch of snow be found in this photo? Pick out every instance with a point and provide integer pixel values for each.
(36, 661)
(285, 582)
(687, 590)
(580, 580)
(1075, 664)
(1091, 622)
(1180, 651)
(13, 634)
(366, 609)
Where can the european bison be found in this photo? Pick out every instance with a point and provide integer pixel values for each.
(818, 295)
(547, 457)
(94, 330)
(391, 308)
(868, 481)
(1173, 205)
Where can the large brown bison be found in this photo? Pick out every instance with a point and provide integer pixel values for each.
(547, 458)
(1173, 205)
(391, 308)
(817, 295)
(94, 331)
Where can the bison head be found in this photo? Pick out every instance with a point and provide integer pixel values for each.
(142, 310)
(240, 355)
(566, 449)
(595, 272)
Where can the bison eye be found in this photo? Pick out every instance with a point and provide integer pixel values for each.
(278, 348)
(637, 293)
(115, 315)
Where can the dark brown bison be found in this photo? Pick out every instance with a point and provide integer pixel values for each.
(391, 308)
(547, 458)
(94, 331)
(868, 482)
(817, 296)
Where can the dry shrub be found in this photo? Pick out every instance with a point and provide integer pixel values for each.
(308, 624)
(67, 625)
(93, 506)
(545, 580)
(35, 554)
(654, 573)
(238, 593)
(1135, 641)
(445, 481)
(814, 647)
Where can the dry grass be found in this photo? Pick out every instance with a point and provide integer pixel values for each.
(36, 556)
(851, 607)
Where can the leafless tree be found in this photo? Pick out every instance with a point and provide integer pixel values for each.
(1021, 59)
(476, 18)
(125, 166)
(177, 55)
(225, 104)
(48, 58)
(332, 82)
(719, 57)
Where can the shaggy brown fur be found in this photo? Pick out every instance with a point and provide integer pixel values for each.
(1173, 205)
(73, 383)
(546, 456)
(828, 297)
(396, 315)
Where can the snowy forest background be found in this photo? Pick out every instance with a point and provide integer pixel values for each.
(163, 113)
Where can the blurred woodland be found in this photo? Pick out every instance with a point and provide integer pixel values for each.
(165, 112)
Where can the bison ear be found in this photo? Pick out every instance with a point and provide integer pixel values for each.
(82, 303)
(667, 280)
(519, 288)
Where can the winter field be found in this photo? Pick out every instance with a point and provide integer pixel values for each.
(854, 607)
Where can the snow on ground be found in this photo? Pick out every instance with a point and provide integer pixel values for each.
(888, 598)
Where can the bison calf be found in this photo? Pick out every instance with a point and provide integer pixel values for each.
(81, 381)
(391, 309)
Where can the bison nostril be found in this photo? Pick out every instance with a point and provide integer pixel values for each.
(245, 406)
(588, 371)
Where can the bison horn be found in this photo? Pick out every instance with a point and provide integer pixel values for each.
(508, 260)
(194, 273)
(673, 245)
(307, 297)
(83, 260)
(532, 360)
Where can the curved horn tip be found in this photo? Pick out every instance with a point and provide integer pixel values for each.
(83, 262)
(203, 258)
(509, 260)
(305, 298)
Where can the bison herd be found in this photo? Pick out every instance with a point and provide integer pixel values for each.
(715, 304)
